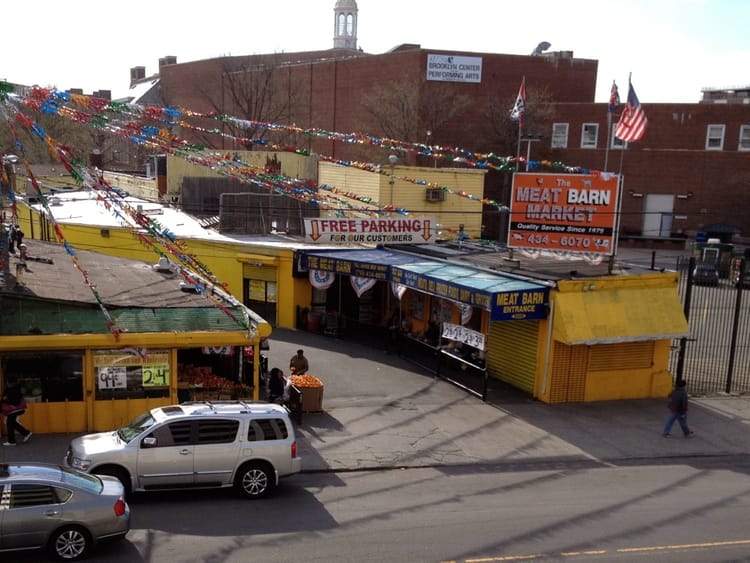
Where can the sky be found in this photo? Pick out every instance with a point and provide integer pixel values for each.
(672, 48)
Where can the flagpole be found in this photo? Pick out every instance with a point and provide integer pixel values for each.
(521, 91)
(609, 139)
(622, 153)
(518, 150)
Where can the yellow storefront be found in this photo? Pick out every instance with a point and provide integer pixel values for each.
(609, 338)
(91, 356)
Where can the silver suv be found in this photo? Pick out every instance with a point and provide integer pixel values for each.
(195, 445)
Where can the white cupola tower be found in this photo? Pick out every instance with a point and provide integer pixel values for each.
(345, 25)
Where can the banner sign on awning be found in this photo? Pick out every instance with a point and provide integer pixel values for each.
(520, 305)
(529, 303)
(570, 212)
(321, 280)
(399, 230)
(348, 267)
(362, 285)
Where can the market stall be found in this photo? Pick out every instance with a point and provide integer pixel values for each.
(312, 391)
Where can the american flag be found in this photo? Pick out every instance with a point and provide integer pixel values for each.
(614, 97)
(519, 108)
(633, 122)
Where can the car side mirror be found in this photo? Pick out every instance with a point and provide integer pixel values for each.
(148, 442)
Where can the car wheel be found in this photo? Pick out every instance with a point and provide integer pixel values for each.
(70, 543)
(120, 474)
(255, 480)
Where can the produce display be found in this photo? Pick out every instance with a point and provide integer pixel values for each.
(306, 381)
(203, 379)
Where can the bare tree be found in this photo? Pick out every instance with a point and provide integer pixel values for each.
(36, 150)
(501, 132)
(394, 109)
(404, 111)
(256, 89)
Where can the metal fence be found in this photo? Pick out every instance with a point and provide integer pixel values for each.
(715, 357)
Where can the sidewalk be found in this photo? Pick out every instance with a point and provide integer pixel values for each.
(381, 411)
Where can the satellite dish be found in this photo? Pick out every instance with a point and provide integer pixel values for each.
(543, 46)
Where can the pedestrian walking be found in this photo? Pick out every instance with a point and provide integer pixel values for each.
(12, 239)
(13, 407)
(678, 407)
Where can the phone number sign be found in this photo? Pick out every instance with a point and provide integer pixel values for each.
(569, 212)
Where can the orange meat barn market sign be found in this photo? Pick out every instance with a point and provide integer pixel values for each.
(570, 212)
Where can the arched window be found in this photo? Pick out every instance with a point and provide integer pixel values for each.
(341, 25)
(349, 24)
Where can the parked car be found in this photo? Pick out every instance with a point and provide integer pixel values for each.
(60, 509)
(706, 273)
(195, 445)
(737, 268)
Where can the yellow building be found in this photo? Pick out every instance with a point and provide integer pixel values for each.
(598, 339)
(429, 192)
(94, 340)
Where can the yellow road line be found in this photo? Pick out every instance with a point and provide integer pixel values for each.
(645, 549)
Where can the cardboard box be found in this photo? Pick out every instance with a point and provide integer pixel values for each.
(312, 399)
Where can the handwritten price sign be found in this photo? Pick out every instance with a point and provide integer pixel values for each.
(156, 375)
(462, 334)
(112, 378)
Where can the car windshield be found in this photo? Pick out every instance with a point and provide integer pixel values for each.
(135, 427)
(81, 480)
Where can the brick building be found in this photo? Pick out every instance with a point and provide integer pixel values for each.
(690, 172)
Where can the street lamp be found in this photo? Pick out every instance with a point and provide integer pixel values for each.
(393, 159)
(429, 148)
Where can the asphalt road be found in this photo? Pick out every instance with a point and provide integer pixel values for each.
(693, 511)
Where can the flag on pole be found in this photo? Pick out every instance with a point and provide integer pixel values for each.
(614, 97)
(519, 108)
(633, 122)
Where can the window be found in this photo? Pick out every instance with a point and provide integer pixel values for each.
(559, 136)
(123, 375)
(173, 434)
(267, 429)
(615, 143)
(217, 431)
(22, 495)
(49, 377)
(744, 144)
(715, 138)
(589, 135)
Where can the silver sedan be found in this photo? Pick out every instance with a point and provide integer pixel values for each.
(60, 509)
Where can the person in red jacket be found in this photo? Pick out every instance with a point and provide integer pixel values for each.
(13, 407)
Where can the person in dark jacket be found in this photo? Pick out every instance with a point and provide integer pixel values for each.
(678, 407)
(276, 385)
(298, 363)
(13, 407)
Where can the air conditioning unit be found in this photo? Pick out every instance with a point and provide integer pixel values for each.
(434, 194)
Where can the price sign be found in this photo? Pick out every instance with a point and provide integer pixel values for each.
(111, 377)
(462, 334)
(155, 375)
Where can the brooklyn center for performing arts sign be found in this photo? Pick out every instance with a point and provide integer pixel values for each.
(401, 230)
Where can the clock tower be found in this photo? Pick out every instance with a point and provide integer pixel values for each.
(345, 25)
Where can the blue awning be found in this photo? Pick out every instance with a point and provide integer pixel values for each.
(506, 297)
